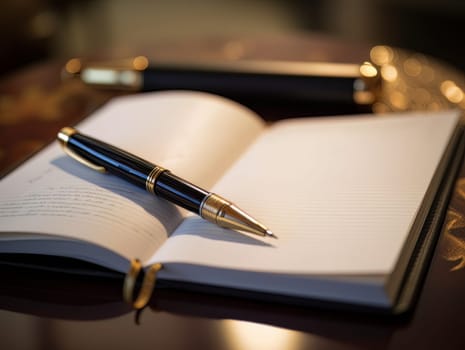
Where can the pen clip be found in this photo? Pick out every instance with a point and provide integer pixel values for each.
(63, 136)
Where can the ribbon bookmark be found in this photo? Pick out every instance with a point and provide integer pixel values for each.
(148, 284)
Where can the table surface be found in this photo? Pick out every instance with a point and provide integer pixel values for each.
(51, 310)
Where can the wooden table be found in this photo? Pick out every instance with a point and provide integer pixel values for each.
(52, 310)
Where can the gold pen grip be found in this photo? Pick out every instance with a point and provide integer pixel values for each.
(223, 213)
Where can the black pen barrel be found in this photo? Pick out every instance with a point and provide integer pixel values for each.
(180, 192)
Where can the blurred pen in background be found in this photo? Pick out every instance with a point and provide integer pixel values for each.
(390, 80)
(273, 81)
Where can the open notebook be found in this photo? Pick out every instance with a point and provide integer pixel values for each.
(348, 198)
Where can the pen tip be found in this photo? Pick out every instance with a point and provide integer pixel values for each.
(271, 234)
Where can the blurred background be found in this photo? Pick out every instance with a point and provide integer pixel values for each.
(36, 30)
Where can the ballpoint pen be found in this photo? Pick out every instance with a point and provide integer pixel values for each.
(103, 157)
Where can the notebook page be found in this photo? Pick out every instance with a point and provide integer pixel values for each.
(55, 195)
(340, 193)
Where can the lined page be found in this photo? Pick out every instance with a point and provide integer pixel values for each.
(340, 193)
(197, 136)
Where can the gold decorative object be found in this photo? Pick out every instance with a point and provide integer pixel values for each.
(412, 81)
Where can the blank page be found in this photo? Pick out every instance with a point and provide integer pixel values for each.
(340, 193)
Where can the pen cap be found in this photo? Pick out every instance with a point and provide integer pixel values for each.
(103, 157)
